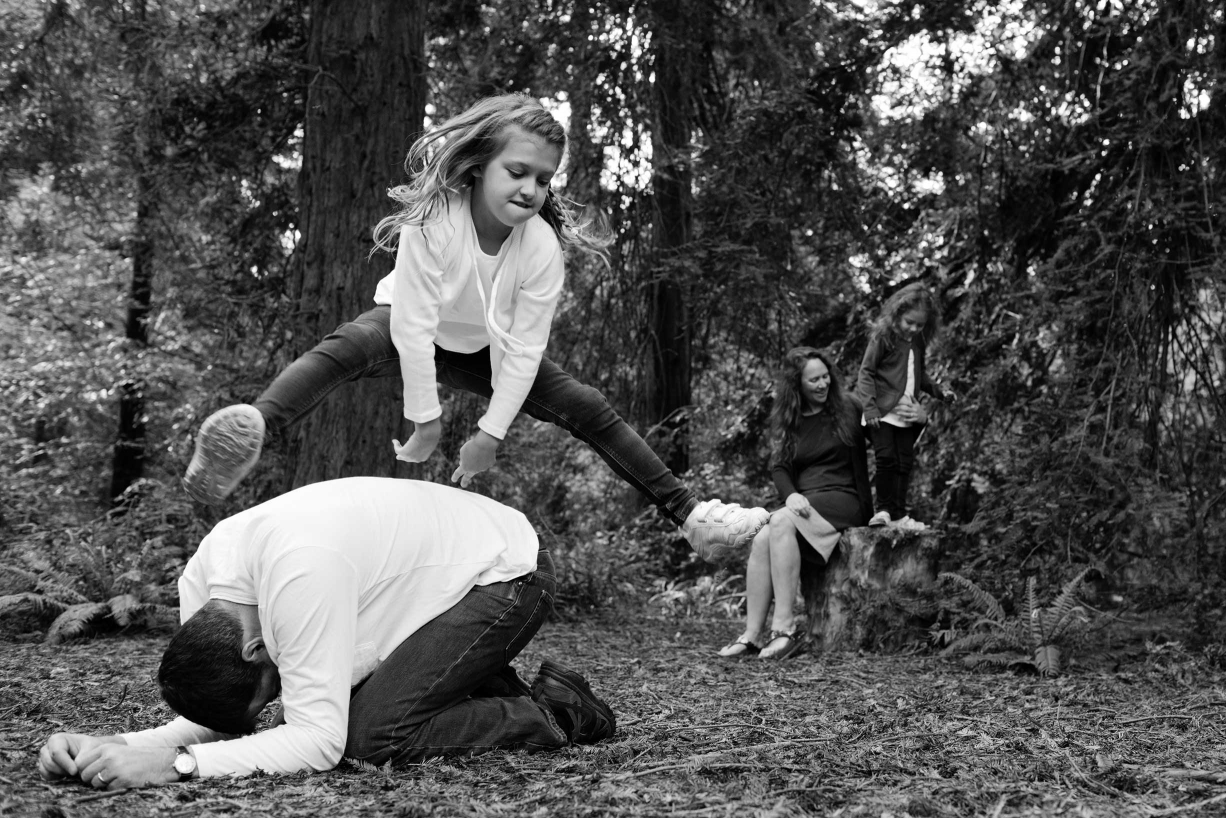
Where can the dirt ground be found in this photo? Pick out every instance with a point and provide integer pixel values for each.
(1137, 731)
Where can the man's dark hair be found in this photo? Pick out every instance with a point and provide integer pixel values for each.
(203, 676)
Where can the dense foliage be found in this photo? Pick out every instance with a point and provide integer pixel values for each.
(1049, 168)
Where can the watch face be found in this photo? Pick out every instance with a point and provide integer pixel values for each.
(184, 764)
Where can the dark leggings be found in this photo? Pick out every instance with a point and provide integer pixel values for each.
(363, 348)
(894, 448)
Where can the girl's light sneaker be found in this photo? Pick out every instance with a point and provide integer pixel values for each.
(879, 519)
(718, 532)
(907, 524)
(227, 446)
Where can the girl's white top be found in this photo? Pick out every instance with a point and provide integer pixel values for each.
(342, 572)
(438, 296)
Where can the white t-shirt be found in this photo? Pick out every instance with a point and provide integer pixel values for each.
(342, 571)
(908, 395)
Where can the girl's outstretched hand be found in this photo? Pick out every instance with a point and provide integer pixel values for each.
(421, 444)
(476, 456)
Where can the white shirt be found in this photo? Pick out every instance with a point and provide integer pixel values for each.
(908, 395)
(342, 571)
(438, 297)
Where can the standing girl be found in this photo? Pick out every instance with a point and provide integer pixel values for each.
(479, 244)
(892, 376)
(820, 468)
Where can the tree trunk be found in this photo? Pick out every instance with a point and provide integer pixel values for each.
(365, 106)
(128, 457)
(673, 48)
(877, 591)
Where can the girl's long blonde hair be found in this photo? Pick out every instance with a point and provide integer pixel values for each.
(441, 164)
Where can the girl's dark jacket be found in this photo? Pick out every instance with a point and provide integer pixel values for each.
(883, 374)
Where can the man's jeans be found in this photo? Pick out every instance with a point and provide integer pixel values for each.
(363, 349)
(449, 689)
(894, 454)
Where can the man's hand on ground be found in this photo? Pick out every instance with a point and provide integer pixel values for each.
(59, 756)
(120, 767)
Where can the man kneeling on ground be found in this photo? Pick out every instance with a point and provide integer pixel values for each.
(385, 612)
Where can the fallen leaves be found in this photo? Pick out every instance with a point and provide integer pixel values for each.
(838, 735)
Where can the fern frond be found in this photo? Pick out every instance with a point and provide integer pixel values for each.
(76, 621)
(987, 622)
(980, 597)
(36, 602)
(1034, 613)
(61, 592)
(125, 608)
(30, 577)
(364, 766)
(1066, 602)
(1018, 631)
(1074, 619)
(1047, 660)
(129, 579)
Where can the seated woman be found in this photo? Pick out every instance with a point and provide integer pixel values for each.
(820, 468)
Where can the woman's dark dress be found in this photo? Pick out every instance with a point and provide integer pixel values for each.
(830, 474)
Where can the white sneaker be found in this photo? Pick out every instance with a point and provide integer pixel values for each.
(907, 524)
(227, 446)
(880, 518)
(718, 532)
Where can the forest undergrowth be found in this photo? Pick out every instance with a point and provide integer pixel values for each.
(1133, 729)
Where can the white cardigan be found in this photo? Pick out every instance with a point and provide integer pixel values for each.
(437, 296)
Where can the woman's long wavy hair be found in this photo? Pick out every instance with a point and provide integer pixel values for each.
(441, 164)
(786, 411)
(912, 296)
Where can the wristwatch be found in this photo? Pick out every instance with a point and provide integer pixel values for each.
(185, 764)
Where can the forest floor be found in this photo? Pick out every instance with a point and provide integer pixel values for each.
(1136, 730)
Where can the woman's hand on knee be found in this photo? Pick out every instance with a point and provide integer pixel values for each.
(798, 503)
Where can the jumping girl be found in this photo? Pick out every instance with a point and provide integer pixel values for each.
(479, 243)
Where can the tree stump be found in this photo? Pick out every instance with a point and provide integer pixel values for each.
(878, 591)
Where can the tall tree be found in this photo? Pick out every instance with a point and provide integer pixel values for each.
(365, 105)
(679, 40)
(128, 461)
